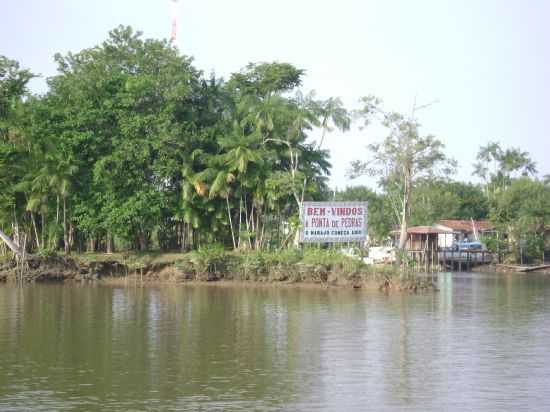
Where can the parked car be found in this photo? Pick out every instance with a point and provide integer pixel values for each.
(469, 246)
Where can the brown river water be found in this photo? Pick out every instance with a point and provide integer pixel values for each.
(482, 343)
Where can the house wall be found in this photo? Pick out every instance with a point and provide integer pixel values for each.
(445, 240)
(421, 242)
(448, 239)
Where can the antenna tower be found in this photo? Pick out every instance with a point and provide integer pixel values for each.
(174, 16)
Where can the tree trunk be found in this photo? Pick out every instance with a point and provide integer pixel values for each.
(109, 247)
(43, 223)
(257, 240)
(252, 226)
(402, 242)
(92, 245)
(183, 236)
(299, 228)
(71, 237)
(324, 133)
(405, 212)
(247, 222)
(65, 228)
(231, 223)
(240, 221)
(142, 240)
(11, 244)
(35, 230)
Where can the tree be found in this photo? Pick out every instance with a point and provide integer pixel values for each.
(472, 204)
(15, 149)
(293, 168)
(331, 114)
(433, 199)
(132, 143)
(498, 166)
(264, 79)
(380, 218)
(523, 212)
(400, 160)
(437, 198)
(13, 87)
(120, 107)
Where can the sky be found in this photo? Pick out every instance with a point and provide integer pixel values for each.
(486, 63)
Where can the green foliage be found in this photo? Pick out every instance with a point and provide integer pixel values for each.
(435, 199)
(498, 166)
(333, 260)
(292, 265)
(47, 253)
(132, 143)
(522, 212)
(13, 86)
(401, 160)
(210, 259)
(472, 204)
(263, 79)
(380, 214)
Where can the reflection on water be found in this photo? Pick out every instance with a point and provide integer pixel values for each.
(481, 343)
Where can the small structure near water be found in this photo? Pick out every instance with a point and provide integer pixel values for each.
(422, 244)
(436, 246)
(462, 231)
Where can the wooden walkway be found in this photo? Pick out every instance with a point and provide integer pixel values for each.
(451, 259)
(464, 259)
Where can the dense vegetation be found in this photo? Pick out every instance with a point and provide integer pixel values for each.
(132, 143)
(133, 148)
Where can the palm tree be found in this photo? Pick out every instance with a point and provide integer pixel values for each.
(239, 153)
(61, 183)
(221, 186)
(333, 115)
(38, 198)
(489, 157)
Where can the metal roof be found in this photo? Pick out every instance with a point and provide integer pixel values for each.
(466, 225)
(426, 230)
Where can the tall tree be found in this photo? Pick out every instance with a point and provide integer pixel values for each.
(294, 167)
(122, 106)
(498, 167)
(15, 148)
(333, 115)
(402, 158)
(437, 198)
(522, 212)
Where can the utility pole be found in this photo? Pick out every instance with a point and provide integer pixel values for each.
(174, 16)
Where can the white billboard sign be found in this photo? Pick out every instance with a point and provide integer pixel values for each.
(333, 222)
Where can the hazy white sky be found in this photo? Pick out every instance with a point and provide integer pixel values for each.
(487, 62)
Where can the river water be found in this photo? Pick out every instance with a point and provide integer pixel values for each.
(481, 343)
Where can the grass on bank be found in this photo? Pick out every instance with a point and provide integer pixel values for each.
(310, 264)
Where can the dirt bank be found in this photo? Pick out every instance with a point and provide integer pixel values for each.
(40, 269)
(110, 271)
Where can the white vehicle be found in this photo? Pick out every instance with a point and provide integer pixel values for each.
(382, 254)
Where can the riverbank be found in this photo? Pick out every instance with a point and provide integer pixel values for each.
(519, 269)
(310, 267)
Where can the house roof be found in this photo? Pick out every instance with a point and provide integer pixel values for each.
(426, 230)
(466, 225)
